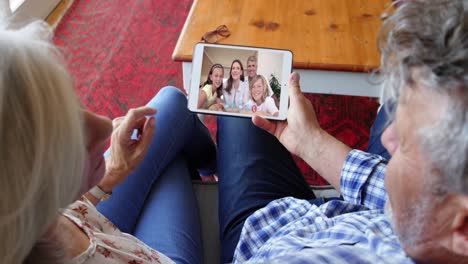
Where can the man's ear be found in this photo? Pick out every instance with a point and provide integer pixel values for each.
(459, 243)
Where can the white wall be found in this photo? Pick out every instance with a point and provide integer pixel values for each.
(269, 63)
(206, 66)
(4, 9)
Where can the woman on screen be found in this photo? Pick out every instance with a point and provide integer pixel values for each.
(209, 96)
(260, 100)
(235, 91)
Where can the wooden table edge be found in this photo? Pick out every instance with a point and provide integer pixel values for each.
(175, 57)
(312, 66)
(296, 65)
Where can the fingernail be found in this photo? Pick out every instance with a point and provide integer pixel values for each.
(294, 77)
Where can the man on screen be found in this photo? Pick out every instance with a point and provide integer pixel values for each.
(251, 67)
(412, 208)
(252, 71)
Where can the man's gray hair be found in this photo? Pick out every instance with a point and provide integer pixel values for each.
(432, 36)
(251, 58)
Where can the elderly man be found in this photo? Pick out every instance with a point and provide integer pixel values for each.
(413, 208)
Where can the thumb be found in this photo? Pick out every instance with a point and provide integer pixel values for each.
(294, 87)
(264, 124)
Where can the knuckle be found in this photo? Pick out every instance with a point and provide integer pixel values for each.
(132, 112)
(116, 121)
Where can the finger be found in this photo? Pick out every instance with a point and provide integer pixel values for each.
(146, 136)
(269, 126)
(139, 129)
(134, 117)
(136, 114)
(117, 121)
(139, 124)
(134, 135)
(294, 86)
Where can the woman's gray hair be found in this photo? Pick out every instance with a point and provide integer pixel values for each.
(41, 137)
(432, 37)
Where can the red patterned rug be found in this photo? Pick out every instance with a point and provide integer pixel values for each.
(119, 53)
(348, 118)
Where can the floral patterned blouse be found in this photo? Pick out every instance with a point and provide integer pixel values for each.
(107, 243)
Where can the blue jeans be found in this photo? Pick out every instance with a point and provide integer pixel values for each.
(375, 142)
(255, 169)
(156, 203)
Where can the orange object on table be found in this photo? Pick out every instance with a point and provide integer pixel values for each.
(322, 34)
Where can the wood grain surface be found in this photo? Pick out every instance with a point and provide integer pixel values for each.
(322, 34)
(59, 11)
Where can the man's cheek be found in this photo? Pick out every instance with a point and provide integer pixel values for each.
(391, 179)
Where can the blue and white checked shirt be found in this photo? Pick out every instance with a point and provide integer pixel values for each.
(355, 230)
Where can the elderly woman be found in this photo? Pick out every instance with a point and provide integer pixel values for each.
(52, 154)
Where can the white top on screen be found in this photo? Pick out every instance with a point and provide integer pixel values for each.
(268, 106)
(237, 98)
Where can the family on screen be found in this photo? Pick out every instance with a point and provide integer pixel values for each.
(238, 94)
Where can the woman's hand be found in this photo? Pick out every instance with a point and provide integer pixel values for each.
(126, 153)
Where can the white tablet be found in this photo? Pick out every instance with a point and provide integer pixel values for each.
(240, 81)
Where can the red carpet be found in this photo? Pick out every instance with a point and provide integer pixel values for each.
(119, 53)
(348, 118)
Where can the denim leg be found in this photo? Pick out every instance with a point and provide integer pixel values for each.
(178, 132)
(375, 143)
(254, 169)
(169, 221)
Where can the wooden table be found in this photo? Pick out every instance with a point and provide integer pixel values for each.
(324, 35)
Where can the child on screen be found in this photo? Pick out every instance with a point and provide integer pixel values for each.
(209, 96)
(260, 100)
